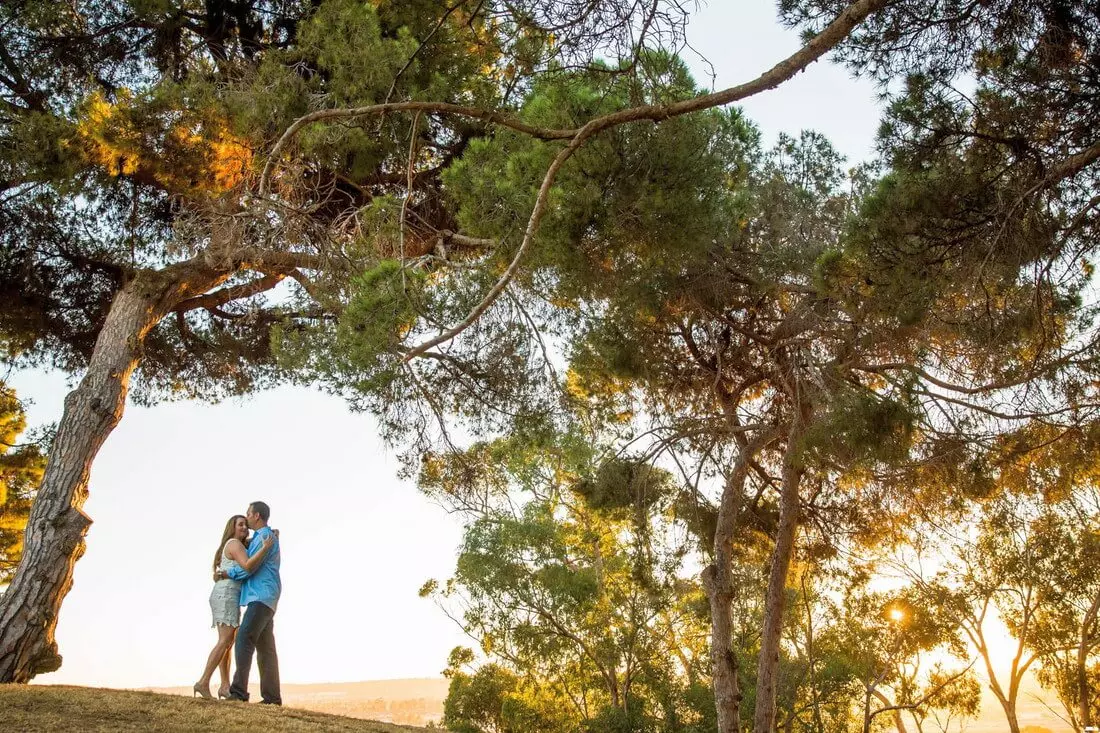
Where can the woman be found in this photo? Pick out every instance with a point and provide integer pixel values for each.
(225, 600)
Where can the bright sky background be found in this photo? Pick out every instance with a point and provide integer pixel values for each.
(357, 542)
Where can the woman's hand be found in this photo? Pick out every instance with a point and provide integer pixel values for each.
(269, 540)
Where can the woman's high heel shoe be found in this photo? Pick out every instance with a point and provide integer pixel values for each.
(203, 692)
(223, 693)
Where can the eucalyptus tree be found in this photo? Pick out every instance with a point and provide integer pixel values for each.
(1068, 624)
(1018, 558)
(579, 597)
(863, 651)
(889, 639)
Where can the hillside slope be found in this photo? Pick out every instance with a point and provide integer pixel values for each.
(42, 708)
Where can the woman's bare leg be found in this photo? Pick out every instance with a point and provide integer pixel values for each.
(223, 645)
(223, 668)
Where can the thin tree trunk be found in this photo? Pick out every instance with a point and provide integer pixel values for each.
(1008, 703)
(1010, 715)
(718, 583)
(811, 660)
(1083, 649)
(767, 677)
(723, 660)
(55, 531)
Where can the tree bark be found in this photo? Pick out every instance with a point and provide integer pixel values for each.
(718, 583)
(1084, 692)
(774, 600)
(1010, 715)
(55, 531)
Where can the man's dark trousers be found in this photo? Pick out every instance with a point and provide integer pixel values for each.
(257, 633)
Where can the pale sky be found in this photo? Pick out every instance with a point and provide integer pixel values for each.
(356, 542)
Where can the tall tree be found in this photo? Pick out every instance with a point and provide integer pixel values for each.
(1068, 624)
(572, 589)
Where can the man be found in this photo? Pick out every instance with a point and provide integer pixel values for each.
(260, 592)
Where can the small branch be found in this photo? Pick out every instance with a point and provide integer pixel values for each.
(305, 282)
(962, 389)
(410, 172)
(258, 259)
(528, 236)
(928, 696)
(225, 295)
(499, 118)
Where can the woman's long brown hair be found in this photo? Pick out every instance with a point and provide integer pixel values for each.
(228, 534)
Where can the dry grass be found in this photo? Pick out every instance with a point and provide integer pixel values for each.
(41, 708)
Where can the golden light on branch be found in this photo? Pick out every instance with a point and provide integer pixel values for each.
(191, 155)
(109, 141)
(229, 160)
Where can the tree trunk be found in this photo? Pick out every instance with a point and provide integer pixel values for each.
(1008, 702)
(723, 660)
(768, 664)
(1010, 716)
(718, 583)
(1084, 647)
(1084, 709)
(57, 525)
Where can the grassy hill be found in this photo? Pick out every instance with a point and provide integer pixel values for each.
(404, 701)
(42, 708)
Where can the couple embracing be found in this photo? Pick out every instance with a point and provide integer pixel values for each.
(246, 573)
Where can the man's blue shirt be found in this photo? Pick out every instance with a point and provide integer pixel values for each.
(263, 584)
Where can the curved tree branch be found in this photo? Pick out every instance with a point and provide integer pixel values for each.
(820, 44)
